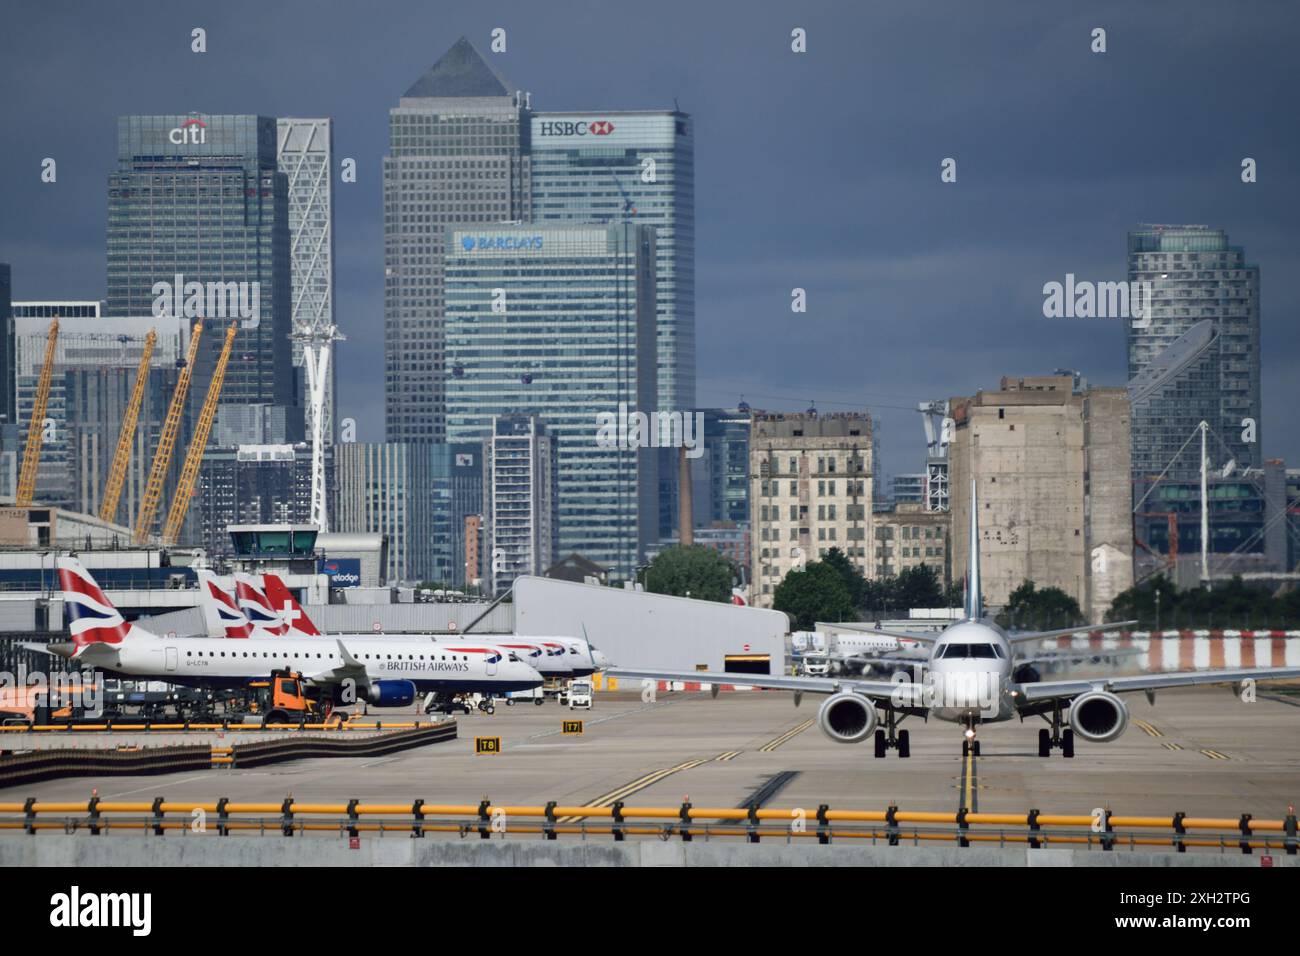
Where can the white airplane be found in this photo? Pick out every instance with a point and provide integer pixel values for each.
(969, 679)
(551, 656)
(386, 671)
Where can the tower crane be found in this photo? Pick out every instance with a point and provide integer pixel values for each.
(162, 458)
(198, 443)
(122, 457)
(32, 453)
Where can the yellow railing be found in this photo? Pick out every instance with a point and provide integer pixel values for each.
(824, 824)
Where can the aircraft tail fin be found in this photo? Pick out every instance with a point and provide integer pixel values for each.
(287, 606)
(92, 618)
(220, 609)
(257, 607)
(974, 597)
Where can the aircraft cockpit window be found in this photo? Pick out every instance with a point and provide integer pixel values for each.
(955, 651)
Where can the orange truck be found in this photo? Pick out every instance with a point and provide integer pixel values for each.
(41, 705)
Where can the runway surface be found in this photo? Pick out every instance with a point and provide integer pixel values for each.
(1202, 751)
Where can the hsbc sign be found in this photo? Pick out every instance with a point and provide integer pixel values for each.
(576, 128)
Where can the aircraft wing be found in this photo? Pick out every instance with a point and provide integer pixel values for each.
(1046, 690)
(1019, 637)
(349, 668)
(903, 693)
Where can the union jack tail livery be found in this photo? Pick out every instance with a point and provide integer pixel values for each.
(256, 607)
(220, 609)
(92, 619)
(287, 607)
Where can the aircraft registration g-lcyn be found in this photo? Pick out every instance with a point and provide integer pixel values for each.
(970, 678)
(387, 671)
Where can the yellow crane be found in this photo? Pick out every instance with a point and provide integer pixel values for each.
(162, 458)
(32, 453)
(122, 457)
(198, 443)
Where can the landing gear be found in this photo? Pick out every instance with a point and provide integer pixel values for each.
(969, 744)
(891, 736)
(1056, 737)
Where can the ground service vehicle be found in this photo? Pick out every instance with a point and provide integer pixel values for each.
(580, 694)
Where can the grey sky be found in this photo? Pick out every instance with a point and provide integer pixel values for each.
(818, 170)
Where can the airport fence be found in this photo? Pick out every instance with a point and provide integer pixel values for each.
(892, 826)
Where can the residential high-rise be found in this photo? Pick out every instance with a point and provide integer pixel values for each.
(458, 154)
(1194, 276)
(198, 224)
(720, 476)
(558, 321)
(810, 491)
(1051, 462)
(251, 484)
(519, 501)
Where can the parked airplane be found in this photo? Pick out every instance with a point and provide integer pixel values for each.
(969, 679)
(387, 671)
(274, 604)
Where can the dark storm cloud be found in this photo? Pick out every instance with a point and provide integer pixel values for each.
(819, 170)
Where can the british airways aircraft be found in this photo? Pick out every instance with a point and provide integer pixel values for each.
(386, 671)
(970, 678)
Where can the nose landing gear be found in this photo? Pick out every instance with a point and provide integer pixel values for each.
(969, 744)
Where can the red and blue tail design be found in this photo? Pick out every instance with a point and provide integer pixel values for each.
(230, 618)
(284, 603)
(92, 619)
(256, 607)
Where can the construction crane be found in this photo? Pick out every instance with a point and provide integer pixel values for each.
(162, 458)
(198, 443)
(35, 429)
(122, 457)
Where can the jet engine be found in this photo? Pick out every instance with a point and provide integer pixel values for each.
(847, 718)
(391, 693)
(1098, 716)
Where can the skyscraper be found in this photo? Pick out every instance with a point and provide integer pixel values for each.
(558, 321)
(7, 410)
(1194, 276)
(305, 155)
(198, 224)
(519, 464)
(457, 155)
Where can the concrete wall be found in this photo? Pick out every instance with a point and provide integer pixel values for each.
(638, 629)
(83, 850)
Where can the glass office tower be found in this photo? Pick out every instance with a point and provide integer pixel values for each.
(558, 321)
(200, 199)
(1212, 373)
(457, 155)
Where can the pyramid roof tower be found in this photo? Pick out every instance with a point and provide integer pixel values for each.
(461, 71)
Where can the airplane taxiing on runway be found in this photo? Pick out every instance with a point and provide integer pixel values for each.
(387, 671)
(971, 678)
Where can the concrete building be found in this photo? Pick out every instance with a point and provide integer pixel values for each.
(558, 321)
(907, 489)
(58, 308)
(457, 155)
(1195, 276)
(519, 499)
(251, 485)
(810, 491)
(908, 535)
(1052, 466)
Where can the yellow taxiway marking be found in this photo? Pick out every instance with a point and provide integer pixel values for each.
(771, 745)
(1215, 755)
(728, 755)
(1149, 729)
(637, 785)
(1169, 746)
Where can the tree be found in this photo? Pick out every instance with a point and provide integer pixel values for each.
(1030, 609)
(852, 577)
(696, 571)
(817, 593)
(918, 586)
(1158, 602)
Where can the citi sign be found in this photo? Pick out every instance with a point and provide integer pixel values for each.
(193, 132)
(579, 128)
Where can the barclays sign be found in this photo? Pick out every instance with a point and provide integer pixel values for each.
(480, 243)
